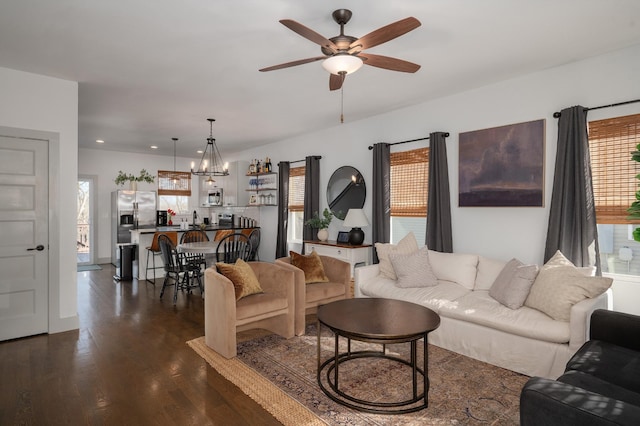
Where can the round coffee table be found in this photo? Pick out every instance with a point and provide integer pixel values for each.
(378, 321)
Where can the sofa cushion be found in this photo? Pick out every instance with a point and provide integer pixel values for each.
(413, 270)
(406, 245)
(480, 308)
(456, 267)
(431, 297)
(488, 271)
(245, 282)
(612, 363)
(311, 265)
(560, 285)
(513, 284)
(599, 386)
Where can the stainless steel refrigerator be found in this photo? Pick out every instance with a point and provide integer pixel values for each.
(130, 210)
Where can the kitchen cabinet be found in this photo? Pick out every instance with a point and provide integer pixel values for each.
(262, 188)
(233, 186)
(354, 255)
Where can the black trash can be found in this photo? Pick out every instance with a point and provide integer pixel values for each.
(124, 266)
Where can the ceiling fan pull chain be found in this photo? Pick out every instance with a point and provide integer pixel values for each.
(342, 102)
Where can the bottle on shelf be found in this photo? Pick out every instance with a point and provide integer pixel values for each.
(252, 167)
(258, 166)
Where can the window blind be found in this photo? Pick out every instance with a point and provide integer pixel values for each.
(611, 142)
(174, 183)
(409, 182)
(296, 189)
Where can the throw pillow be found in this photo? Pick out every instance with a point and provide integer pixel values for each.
(560, 285)
(311, 265)
(413, 270)
(513, 284)
(242, 276)
(406, 245)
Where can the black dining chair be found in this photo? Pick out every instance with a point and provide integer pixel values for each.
(233, 247)
(177, 269)
(254, 238)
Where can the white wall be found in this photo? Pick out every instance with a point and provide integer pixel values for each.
(35, 102)
(503, 232)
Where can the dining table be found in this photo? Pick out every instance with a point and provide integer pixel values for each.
(205, 247)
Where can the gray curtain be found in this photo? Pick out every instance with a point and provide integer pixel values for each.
(381, 198)
(572, 217)
(439, 235)
(311, 195)
(283, 209)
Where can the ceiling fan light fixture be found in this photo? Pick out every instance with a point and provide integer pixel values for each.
(342, 63)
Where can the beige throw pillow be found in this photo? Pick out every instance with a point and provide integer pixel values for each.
(405, 246)
(242, 276)
(560, 285)
(513, 284)
(413, 270)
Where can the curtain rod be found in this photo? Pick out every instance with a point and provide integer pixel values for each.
(557, 114)
(446, 135)
(319, 157)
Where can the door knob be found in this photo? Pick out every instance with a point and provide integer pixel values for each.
(39, 247)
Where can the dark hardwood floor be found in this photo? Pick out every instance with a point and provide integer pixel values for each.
(128, 364)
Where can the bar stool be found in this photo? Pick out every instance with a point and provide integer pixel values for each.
(154, 250)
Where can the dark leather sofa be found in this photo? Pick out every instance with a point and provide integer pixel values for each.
(601, 384)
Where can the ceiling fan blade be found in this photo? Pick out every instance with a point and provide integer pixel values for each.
(293, 63)
(335, 81)
(388, 63)
(309, 34)
(386, 33)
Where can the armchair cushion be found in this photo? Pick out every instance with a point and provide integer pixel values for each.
(311, 265)
(244, 280)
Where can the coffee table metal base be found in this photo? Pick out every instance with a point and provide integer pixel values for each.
(331, 367)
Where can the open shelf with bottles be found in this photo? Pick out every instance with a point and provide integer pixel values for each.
(263, 189)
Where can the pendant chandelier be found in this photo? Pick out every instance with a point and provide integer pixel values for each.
(211, 163)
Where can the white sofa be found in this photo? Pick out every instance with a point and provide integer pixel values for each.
(524, 340)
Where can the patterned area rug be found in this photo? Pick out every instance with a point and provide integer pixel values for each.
(280, 375)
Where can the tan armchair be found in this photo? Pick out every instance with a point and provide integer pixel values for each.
(272, 310)
(310, 296)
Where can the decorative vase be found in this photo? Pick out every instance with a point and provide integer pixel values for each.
(133, 185)
(323, 234)
(170, 222)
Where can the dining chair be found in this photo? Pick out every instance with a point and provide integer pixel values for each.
(195, 260)
(233, 247)
(177, 270)
(154, 250)
(254, 238)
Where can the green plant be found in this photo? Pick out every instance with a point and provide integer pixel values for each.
(634, 210)
(320, 222)
(124, 177)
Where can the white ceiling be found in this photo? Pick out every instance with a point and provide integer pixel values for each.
(150, 70)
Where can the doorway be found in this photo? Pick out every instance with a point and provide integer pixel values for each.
(85, 241)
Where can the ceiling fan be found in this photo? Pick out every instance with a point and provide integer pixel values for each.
(343, 54)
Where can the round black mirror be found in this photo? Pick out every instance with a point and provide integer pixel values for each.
(346, 190)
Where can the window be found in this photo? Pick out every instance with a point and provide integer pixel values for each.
(409, 189)
(611, 142)
(296, 204)
(174, 191)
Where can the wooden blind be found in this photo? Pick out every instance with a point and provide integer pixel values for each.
(613, 171)
(296, 189)
(409, 182)
(174, 183)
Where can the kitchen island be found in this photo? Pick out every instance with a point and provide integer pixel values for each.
(143, 238)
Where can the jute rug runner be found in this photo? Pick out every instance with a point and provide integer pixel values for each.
(280, 375)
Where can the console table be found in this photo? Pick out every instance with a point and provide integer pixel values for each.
(354, 255)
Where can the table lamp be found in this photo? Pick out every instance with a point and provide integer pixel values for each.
(356, 219)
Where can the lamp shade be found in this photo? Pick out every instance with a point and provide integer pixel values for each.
(342, 62)
(356, 219)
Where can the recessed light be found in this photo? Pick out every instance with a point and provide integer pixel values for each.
(153, 147)
(199, 151)
(99, 141)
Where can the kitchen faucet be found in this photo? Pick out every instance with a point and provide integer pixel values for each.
(195, 216)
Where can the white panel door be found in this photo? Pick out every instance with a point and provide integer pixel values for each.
(24, 240)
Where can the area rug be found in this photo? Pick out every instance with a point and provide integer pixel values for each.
(82, 268)
(280, 375)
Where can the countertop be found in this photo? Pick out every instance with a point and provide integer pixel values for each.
(177, 228)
